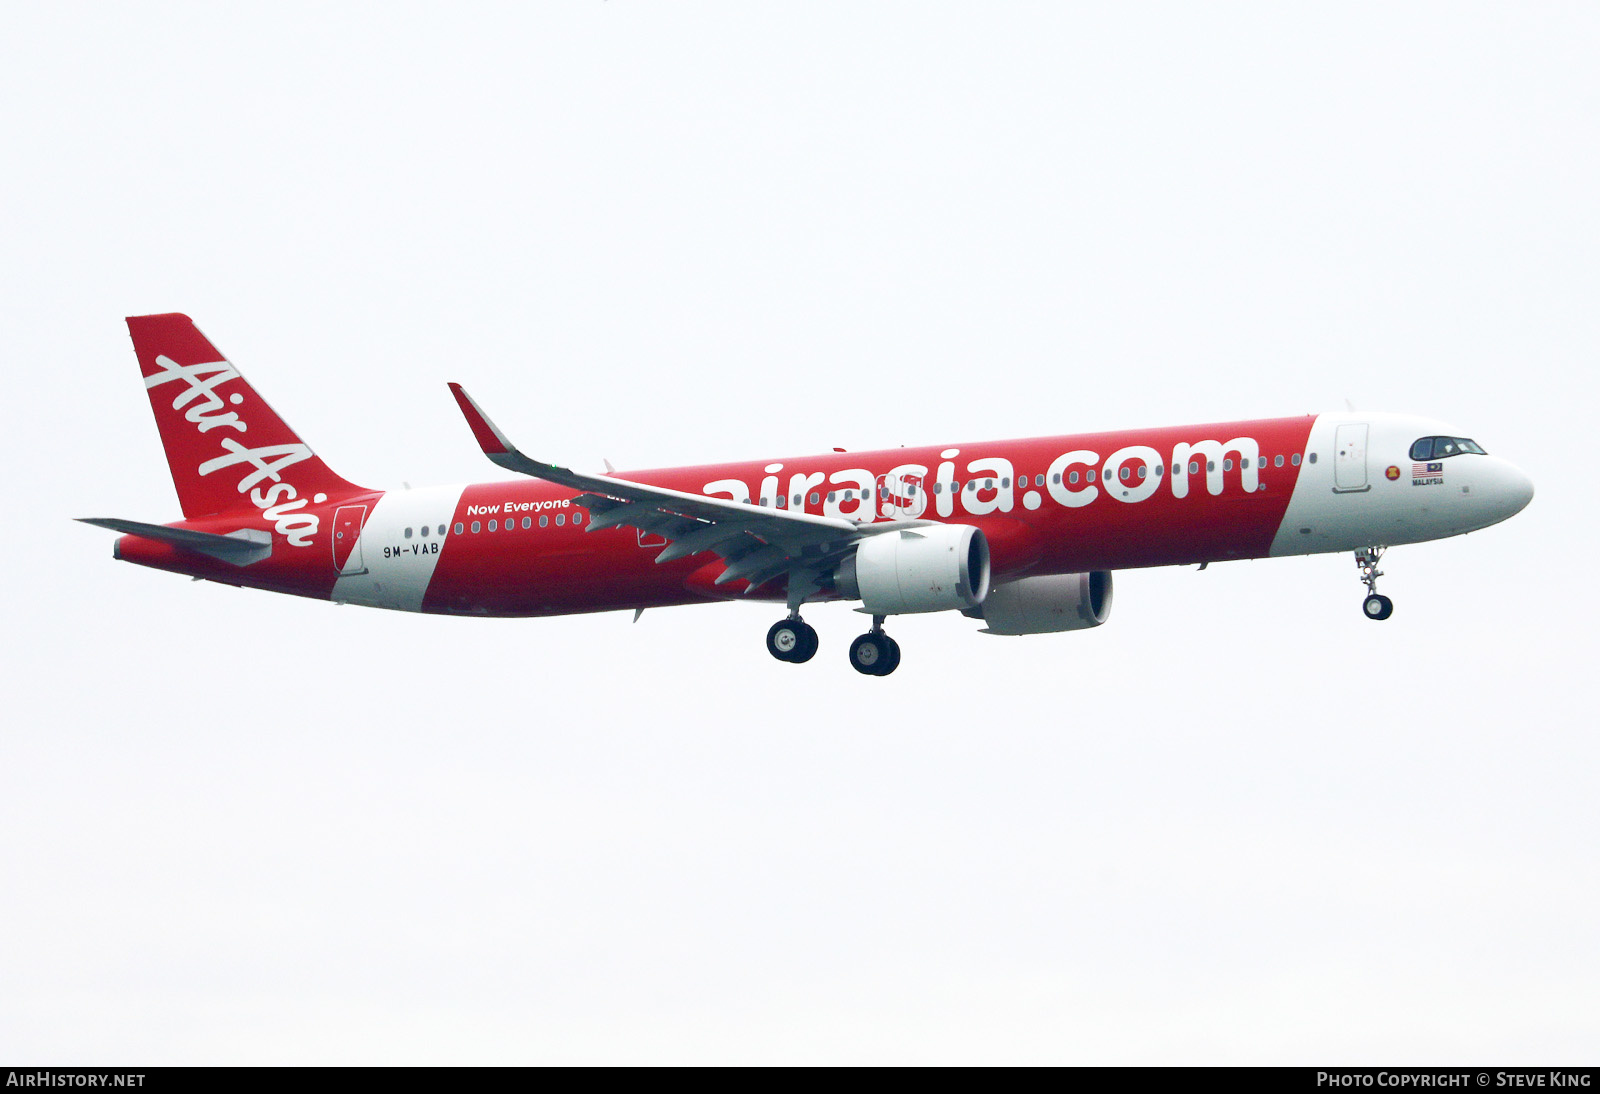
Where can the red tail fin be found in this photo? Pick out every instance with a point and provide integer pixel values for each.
(227, 449)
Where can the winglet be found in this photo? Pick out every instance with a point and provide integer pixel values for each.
(499, 448)
(491, 440)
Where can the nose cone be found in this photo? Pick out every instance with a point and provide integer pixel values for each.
(1508, 489)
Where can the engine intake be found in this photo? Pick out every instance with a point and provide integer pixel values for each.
(931, 568)
(1046, 605)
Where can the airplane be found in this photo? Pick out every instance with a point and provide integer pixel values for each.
(1023, 535)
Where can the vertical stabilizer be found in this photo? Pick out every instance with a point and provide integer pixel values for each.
(227, 449)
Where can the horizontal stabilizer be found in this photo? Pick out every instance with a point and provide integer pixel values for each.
(240, 548)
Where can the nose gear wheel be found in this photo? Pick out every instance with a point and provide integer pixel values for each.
(1374, 606)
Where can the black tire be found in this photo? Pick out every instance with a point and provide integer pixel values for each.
(868, 654)
(785, 639)
(893, 660)
(1377, 607)
(807, 649)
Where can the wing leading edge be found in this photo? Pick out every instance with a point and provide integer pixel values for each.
(758, 544)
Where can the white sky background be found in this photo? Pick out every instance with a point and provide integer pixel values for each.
(1239, 823)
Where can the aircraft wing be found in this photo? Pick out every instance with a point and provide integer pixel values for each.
(758, 543)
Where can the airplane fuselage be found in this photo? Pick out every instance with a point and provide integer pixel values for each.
(1022, 534)
(1052, 505)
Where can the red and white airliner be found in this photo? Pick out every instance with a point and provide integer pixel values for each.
(1023, 535)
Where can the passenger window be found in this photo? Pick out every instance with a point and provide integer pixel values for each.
(561, 520)
(460, 528)
(1072, 478)
(477, 526)
(1194, 467)
(1277, 461)
(833, 495)
(1123, 473)
(441, 529)
(1313, 457)
(814, 497)
(424, 531)
(527, 522)
(1211, 465)
(1143, 471)
(1058, 478)
(1227, 465)
(577, 518)
(492, 526)
(1295, 459)
(544, 520)
(1089, 477)
(408, 533)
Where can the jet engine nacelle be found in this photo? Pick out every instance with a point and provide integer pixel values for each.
(1045, 605)
(930, 568)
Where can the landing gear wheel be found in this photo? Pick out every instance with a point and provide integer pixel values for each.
(875, 654)
(792, 640)
(1377, 607)
(1374, 606)
(894, 656)
(808, 648)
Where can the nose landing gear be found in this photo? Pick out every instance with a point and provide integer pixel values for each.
(875, 653)
(1374, 606)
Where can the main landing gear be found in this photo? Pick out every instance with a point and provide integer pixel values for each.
(875, 653)
(1374, 606)
(792, 639)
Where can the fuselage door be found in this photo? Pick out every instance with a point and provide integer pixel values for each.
(347, 522)
(1350, 457)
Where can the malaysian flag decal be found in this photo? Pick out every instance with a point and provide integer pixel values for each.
(1427, 474)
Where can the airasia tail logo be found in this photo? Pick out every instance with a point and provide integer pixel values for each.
(204, 406)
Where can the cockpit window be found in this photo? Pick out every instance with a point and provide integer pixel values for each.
(1438, 448)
